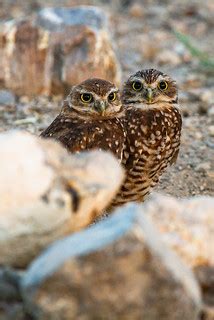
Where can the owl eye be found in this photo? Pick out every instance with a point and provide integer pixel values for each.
(86, 97)
(163, 85)
(112, 96)
(137, 85)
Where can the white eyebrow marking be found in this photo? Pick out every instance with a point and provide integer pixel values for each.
(137, 79)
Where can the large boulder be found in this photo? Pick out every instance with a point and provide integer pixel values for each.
(187, 227)
(46, 193)
(120, 270)
(57, 48)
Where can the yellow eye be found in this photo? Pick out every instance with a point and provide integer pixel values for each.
(137, 85)
(112, 96)
(163, 85)
(86, 97)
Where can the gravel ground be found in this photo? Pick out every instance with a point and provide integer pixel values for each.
(143, 35)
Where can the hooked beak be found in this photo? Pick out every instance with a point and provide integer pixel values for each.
(149, 95)
(100, 106)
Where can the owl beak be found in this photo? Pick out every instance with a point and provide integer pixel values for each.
(101, 106)
(149, 95)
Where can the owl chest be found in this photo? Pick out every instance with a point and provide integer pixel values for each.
(106, 135)
(153, 140)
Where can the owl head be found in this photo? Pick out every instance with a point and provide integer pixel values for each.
(149, 87)
(96, 98)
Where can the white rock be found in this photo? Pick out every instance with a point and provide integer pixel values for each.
(211, 130)
(46, 193)
(211, 111)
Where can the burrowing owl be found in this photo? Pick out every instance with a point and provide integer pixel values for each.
(153, 127)
(90, 118)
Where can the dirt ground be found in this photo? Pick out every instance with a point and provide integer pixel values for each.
(143, 36)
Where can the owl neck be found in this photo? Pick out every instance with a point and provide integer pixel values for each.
(160, 106)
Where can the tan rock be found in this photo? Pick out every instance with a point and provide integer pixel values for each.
(207, 96)
(56, 49)
(124, 272)
(46, 193)
(208, 313)
(136, 10)
(168, 57)
(187, 226)
(211, 130)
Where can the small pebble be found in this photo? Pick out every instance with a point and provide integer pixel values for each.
(136, 10)
(198, 135)
(30, 120)
(211, 174)
(168, 56)
(204, 166)
(207, 96)
(211, 110)
(211, 130)
(24, 99)
(7, 98)
(203, 108)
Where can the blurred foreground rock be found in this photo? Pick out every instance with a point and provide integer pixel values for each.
(187, 226)
(45, 193)
(57, 48)
(124, 268)
(120, 270)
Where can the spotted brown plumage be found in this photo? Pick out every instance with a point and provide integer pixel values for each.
(153, 127)
(91, 118)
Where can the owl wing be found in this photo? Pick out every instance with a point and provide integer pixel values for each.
(178, 120)
(75, 140)
(174, 158)
(56, 128)
(68, 132)
(77, 135)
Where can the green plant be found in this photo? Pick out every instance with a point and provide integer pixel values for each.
(195, 52)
